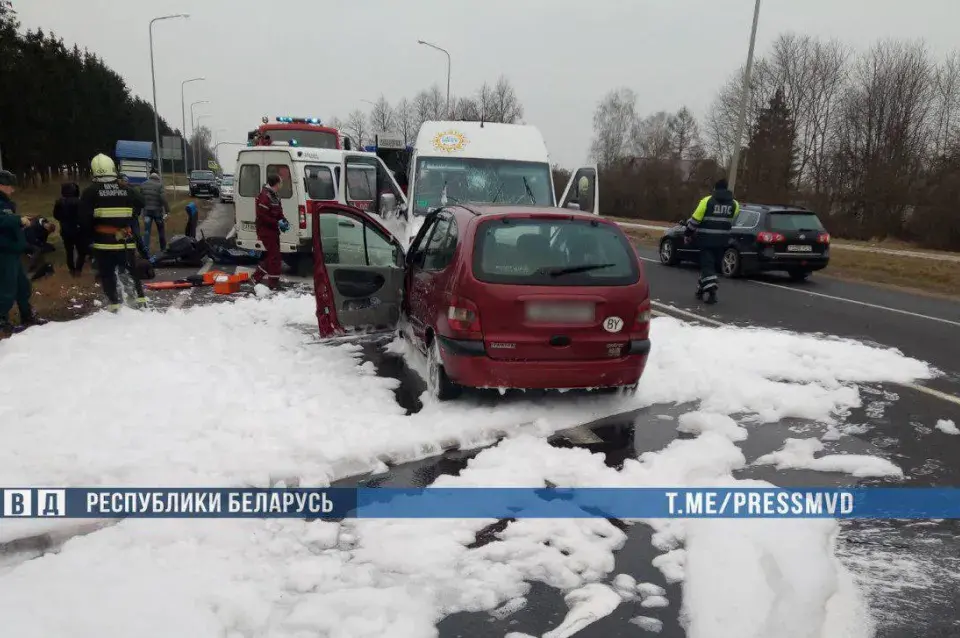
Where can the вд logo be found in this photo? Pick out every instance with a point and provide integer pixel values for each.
(17, 503)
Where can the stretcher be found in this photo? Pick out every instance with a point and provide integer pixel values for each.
(222, 282)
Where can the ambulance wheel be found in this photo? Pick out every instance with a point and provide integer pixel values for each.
(439, 384)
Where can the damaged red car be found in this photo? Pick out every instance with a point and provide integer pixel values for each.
(492, 296)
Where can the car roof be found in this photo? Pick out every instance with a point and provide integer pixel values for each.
(499, 211)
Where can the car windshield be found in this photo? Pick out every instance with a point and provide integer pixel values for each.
(313, 139)
(201, 175)
(480, 181)
(553, 252)
(790, 221)
(228, 181)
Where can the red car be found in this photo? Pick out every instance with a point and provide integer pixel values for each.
(494, 296)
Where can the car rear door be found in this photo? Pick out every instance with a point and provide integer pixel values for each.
(562, 318)
(571, 197)
(430, 272)
(358, 281)
(250, 178)
(291, 194)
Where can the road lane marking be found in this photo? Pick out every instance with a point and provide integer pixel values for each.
(691, 315)
(859, 303)
(908, 313)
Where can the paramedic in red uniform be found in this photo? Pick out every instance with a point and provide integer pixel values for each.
(270, 223)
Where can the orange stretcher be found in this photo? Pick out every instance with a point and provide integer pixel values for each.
(223, 284)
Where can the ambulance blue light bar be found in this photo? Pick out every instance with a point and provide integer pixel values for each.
(299, 120)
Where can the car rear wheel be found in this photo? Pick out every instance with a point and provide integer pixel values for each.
(798, 275)
(668, 253)
(439, 384)
(731, 265)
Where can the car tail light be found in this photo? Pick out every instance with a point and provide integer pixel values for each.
(302, 211)
(644, 314)
(823, 238)
(770, 238)
(463, 315)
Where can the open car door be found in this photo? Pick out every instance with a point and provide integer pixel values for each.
(367, 184)
(358, 271)
(583, 191)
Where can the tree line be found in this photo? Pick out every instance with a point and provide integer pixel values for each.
(60, 105)
(869, 140)
(490, 103)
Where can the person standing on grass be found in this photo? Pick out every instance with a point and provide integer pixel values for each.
(67, 211)
(155, 209)
(107, 213)
(270, 223)
(14, 285)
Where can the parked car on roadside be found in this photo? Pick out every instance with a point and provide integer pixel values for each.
(790, 239)
(493, 296)
(203, 183)
(226, 189)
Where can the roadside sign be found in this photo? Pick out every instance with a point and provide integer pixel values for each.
(171, 148)
(212, 165)
(385, 140)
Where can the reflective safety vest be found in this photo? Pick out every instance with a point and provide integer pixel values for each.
(714, 215)
(112, 209)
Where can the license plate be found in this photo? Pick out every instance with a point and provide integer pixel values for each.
(250, 226)
(799, 249)
(560, 312)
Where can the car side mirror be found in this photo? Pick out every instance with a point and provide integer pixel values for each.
(388, 203)
(416, 259)
(347, 144)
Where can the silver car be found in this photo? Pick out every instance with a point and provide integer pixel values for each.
(226, 189)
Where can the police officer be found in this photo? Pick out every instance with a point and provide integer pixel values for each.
(14, 285)
(709, 230)
(107, 214)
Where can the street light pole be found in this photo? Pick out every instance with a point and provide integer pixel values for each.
(433, 46)
(153, 81)
(744, 99)
(193, 128)
(183, 116)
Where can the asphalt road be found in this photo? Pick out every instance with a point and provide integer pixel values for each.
(910, 571)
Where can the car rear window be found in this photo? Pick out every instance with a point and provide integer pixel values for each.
(785, 222)
(553, 252)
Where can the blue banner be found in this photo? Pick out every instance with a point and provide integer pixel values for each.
(498, 503)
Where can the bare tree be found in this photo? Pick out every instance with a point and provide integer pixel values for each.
(438, 103)
(466, 109)
(650, 137)
(484, 102)
(382, 118)
(946, 87)
(684, 135)
(884, 136)
(357, 126)
(613, 122)
(504, 104)
(422, 107)
(406, 120)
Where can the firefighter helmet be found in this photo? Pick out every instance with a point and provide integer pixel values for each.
(103, 166)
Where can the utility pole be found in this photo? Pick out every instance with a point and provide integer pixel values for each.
(744, 100)
(183, 117)
(193, 129)
(153, 80)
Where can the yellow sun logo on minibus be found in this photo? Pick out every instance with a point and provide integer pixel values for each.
(449, 141)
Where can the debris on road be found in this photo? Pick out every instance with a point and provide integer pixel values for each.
(947, 426)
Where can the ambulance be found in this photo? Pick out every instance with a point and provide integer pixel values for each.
(490, 163)
(311, 176)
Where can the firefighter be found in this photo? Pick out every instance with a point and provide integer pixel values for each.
(270, 223)
(107, 214)
(708, 229)
(14, 285)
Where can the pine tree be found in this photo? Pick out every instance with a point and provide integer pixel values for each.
(770, 162)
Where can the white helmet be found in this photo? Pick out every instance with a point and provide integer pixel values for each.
(102, 166)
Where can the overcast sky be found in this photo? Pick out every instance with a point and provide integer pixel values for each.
(321, 58)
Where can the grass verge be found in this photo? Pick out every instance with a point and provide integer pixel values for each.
(61, 297)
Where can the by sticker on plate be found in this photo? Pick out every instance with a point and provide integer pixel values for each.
(613, 324)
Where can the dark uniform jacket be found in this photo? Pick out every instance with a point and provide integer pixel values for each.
(269, 212)
(154, 201)
(713, 218)
(12, 239)
(66, 210)
(106, 216)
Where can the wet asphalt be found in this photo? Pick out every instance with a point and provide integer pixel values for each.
(910, 571)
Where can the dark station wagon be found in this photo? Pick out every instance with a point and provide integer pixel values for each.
(789, 239)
